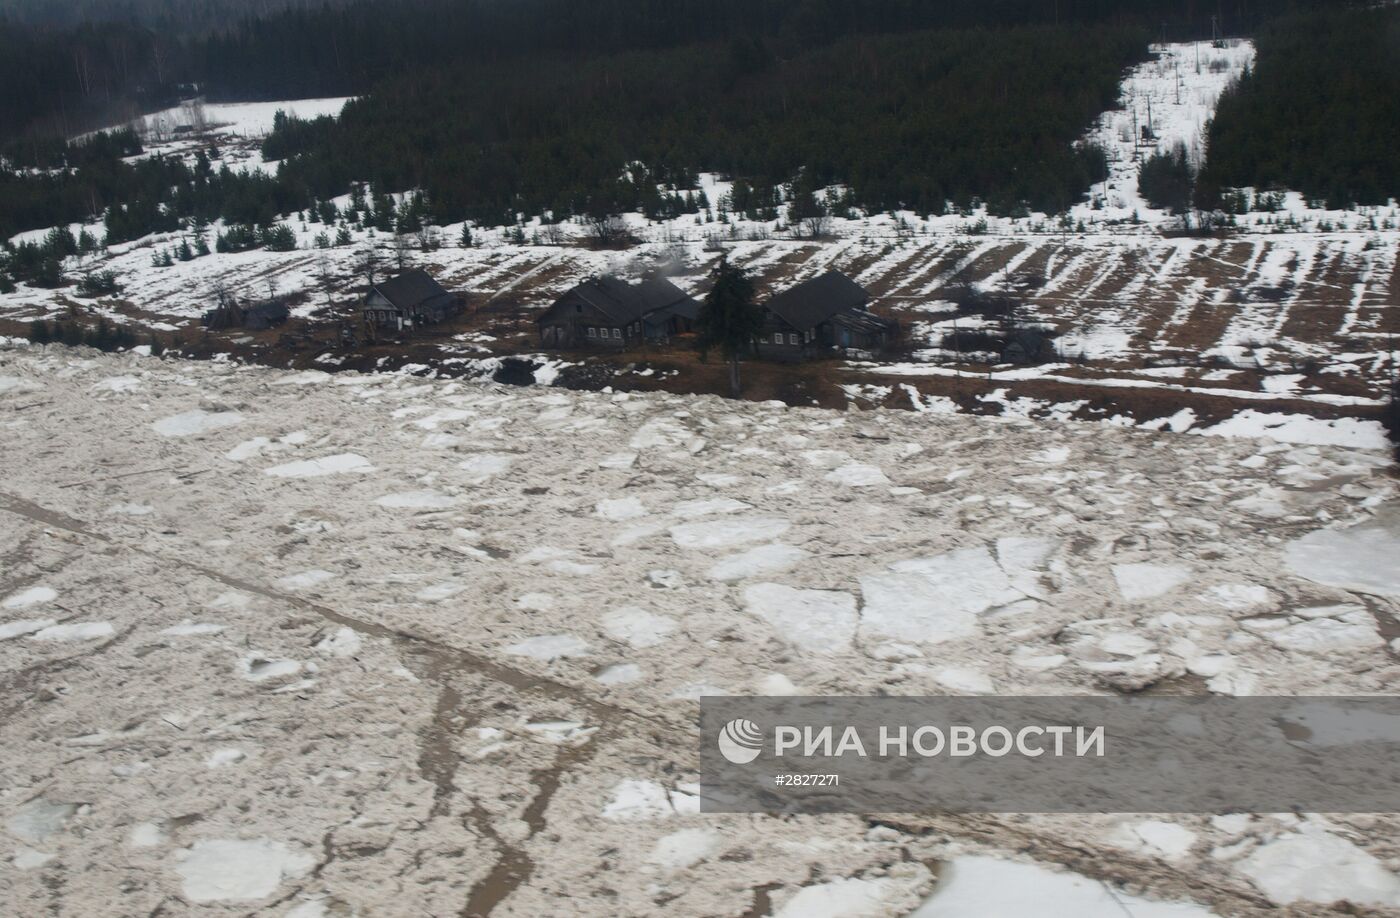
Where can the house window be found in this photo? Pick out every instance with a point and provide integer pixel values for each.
(592, 332)
(617, 333)
(792, 339)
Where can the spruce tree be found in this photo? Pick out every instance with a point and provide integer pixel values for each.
(729, 319)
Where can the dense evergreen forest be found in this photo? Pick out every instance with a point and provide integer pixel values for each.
(63, 76)
(909, 121)
(501, 107)
(1320, 113)
(168, 15)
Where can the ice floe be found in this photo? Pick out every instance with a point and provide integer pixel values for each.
(1316, 866)
(549, 647)
(978, 885)
(338, 464)
(440, 591)
(343, 642)
(236, 870)
(256, 667)
(34, 596)
(684, 848)
(484, 466)
(305, 580)
(858, 475)
(638, 627)
(619, 509)
(417, 500)
(936, 599)
(761, 560)
(822, 621)
(853, 897)
(25, 626)
(39, 818)
(1364, 558)
(618, 674)
(726, 532)
(75, 631)
(1147, 581)
(196, 422)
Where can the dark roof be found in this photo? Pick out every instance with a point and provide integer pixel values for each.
(687, 308)
(813, 302)
(273, 308)
(412, 290)
(625, 303)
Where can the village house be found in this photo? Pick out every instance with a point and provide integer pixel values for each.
(259, 316)
(608, 312)
(824, 315)
(410, 300)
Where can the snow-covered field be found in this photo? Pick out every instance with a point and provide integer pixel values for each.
(314, 644)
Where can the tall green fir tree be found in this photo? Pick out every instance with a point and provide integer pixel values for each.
(729, 319)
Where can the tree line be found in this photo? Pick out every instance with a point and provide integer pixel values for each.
(1319, 113)
(905, 121)
(67, 66)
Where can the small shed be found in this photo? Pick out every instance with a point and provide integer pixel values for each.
(1027, 345)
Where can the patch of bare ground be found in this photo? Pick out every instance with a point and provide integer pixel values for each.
(891, 282)
(1233, 259)
(1201, 329)
(1328, 283)
(1313, 321)
(855, 262)
(1130, 268)
(1379, 319)
(995, 260)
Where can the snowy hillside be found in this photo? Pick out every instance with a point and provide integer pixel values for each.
(1289, 323)
(1165, 102)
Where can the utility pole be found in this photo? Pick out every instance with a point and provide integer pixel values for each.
(1136, 136)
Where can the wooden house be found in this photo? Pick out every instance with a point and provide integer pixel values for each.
(825, 315)
(608, 312)
(260, 316)
(410, 300)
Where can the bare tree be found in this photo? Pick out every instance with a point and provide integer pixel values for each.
(401, 250)
(323, 270)
(607, 229)
(552, 234)
(815, 226)
(428, 238)
(367, 263)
